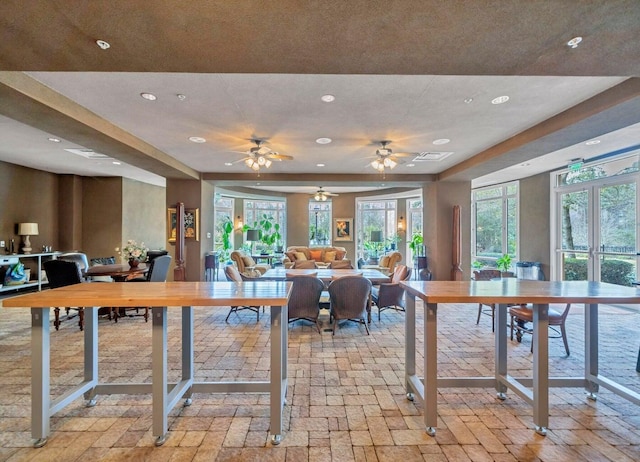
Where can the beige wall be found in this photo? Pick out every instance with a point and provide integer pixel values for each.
(70, 211)
(535, 209)
(101, 216)
(144, 217)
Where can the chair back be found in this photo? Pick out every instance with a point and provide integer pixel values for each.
(305, 297)
(153, 254)
(62, 273)
(232, 274)
(242, 260)
(78, 257)
(400, 273)
(350, 297)
(103, 261)
(158, 269)
(389, 260)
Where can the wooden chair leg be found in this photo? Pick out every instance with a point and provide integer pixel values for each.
(493, 318)
(56, 318)
(512, 317)
(479, 313)
(81, 318)
(146, 314)
(366, 326)
(564, 338)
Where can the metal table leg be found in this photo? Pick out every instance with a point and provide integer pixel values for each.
(431, 367)
(40, 375)
(541, 368)
(159, 373)
(279, 354)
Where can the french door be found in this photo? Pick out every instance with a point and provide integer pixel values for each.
(598, 231)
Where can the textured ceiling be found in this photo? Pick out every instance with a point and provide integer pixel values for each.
(399, 70)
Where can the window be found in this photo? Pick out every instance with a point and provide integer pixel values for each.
(223, 213)
(255, 210)
(373, 217)
(495, 224)
(319, 223)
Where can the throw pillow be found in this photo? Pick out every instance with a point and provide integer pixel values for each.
(384, 261)
(300, 256)
(291, 256)
(329, 256)
(316, 255)
(340, 254)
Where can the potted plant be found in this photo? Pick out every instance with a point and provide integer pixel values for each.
(269, 232)
(415, 243)
(504, 264)
(227, 232)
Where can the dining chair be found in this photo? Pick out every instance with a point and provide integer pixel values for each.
(521, 315)
(61, 273)
(389, 295)
(233, 275)
(304, 302)
(158, 270)
(487, 275)
(350, 298)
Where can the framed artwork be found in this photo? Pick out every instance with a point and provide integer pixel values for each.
(191, 224)
(343, 229)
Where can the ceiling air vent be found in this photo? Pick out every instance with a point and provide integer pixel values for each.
(431, 156)
(88, 153)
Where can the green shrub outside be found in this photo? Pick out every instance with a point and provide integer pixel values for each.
(613, 271)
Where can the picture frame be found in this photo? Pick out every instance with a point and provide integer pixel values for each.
(191, 224)
(343, 229)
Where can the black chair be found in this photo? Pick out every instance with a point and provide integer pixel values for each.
(153, 254)
(158, 269)
(304, 302)
(390, 295)
(61, 273)
(233, 275)
(350, 298)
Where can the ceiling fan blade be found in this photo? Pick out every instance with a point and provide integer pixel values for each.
(276, 156)
(403, 154)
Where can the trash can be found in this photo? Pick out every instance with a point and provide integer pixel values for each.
(529, 270)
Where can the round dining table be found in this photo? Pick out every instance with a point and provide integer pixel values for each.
(119, 271)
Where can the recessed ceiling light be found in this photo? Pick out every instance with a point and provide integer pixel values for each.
(574, 42)
(592, 142)
(257, 184)
(319, 165)
(181, 97)
(323, 140)
(197, 139)
(115, 162)
(148, 96)
(102, 44)
(468, 100)
(328, 98)
(411, 165)
(500, 99)
(525, 164)
(441, 141)
(55, 140)
(228, 164)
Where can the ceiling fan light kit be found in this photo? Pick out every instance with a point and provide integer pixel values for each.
(261, 156)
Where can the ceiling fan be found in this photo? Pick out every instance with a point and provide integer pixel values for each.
(386, 158)
(321, 195)
(261, 156)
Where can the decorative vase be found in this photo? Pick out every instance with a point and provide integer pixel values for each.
(134, 262)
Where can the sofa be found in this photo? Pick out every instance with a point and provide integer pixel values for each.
(322, 255)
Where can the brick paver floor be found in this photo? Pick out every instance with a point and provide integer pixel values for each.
(346, 399)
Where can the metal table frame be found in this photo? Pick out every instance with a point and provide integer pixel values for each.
(534, 390)
(165, 395)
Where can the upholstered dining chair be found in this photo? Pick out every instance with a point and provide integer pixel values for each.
(350, 298)
(158, 269)
(522, 314)
(304, 302)
(61, 273)
(390, 295)
(233, 275)
(486, 275)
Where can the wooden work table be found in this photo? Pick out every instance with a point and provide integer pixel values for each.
(534, 390)
(161, 296)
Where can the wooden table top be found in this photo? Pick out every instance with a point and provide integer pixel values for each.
(325, 274)
(512, 290)
(172, 294)
(117, 270)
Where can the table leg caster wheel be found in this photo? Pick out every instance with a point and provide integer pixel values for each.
(188, 402)
(592, 396)
(92, 402)
(410, 396)
(541, 431)
(502, 396)
(40, 442)
(276, 439)
(160, 440)
(431, 431)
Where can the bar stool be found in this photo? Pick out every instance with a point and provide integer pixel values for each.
(211, 263)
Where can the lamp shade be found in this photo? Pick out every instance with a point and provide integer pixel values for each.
(28, 229)
(376, 236)
(253, 235)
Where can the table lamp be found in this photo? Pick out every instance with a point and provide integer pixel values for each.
(253, 235)
(26, 230)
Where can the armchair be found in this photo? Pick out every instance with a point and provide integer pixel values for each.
(387, 262)
(350, 298)
(244, 262)
(234, 275)
(391, 295)
(304, 302)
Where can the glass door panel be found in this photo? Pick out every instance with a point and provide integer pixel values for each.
(617, 234)
(574, 243)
